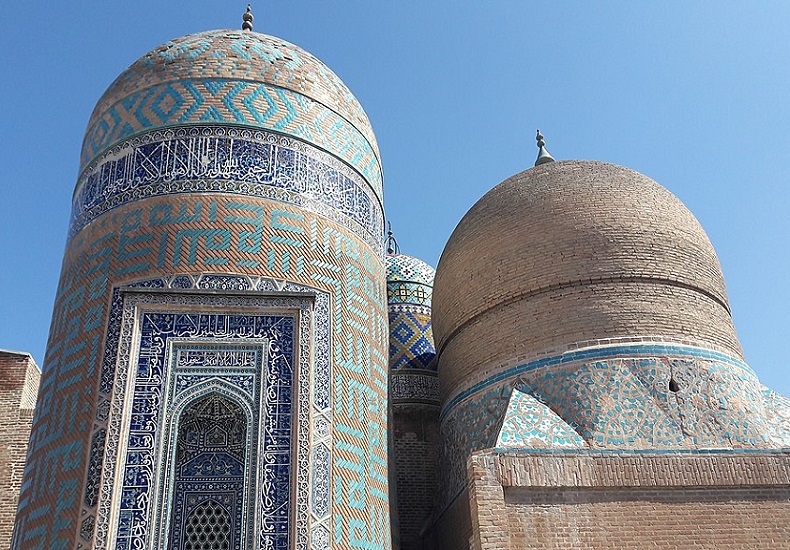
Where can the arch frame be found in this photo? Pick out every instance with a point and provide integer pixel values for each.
(308, 492)
(173, 413)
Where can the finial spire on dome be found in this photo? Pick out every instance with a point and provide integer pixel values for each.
(247, 19)
(543, 155)
(390, 242)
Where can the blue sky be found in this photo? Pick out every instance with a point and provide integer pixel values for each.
(694, 95)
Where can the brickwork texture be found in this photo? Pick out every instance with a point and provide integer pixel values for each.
(19, 379)
(667, 501)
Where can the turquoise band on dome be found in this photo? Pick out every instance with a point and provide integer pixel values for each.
(232, 102)
(600, 353)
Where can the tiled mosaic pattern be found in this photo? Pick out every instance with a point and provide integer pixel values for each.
(777, 415)
(409, 281)
(617, 397)
(211, 160)
(411, 342)
(244, 56)
(412, 356)
(401, 267)
(241, 239)
(528, 423)
(236, 78)
(183, 356)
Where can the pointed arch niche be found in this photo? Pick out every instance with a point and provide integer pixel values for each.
(210, 471)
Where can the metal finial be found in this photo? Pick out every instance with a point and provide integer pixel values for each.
(390, 242)
(543, 155)
(247, 18)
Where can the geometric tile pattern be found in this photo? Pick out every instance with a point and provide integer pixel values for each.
(220, 160)
(233, 77)
(234, 54)
(530, 424)
(409, 280)
(401, 267)
(232, 103)
(411, 342)
(613, 397)
(412, 357)
(241, 237)
(404, 292)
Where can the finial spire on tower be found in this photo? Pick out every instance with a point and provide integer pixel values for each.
(390, 242)
(247, 19)
(543, 155)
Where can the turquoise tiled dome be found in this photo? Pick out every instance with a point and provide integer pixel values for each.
(239, 78)
(409, 280)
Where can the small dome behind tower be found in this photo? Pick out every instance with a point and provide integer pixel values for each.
(409, 291)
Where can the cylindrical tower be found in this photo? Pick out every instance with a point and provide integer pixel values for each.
(414, 395)
(597, 295)
(217, 361)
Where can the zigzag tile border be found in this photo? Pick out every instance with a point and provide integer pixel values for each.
(232, 102)
(243, 56)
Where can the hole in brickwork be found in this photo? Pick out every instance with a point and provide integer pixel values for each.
(674, 387)
(208, 528)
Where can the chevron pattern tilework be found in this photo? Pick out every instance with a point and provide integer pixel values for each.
(239, 239)
(244, 56)
(234, 78)
(617, 397)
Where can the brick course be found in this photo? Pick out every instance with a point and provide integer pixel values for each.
(669, 501)
(416, 444)
(19, 378)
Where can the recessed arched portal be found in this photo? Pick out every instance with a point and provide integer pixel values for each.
(210, 462)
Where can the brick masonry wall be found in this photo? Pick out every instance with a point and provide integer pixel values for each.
(416, 444)
(586, 500)
(452, 528)
(19, 377)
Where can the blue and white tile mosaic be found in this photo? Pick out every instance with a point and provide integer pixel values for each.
(205, 159)
(189, 350)
(615, 396)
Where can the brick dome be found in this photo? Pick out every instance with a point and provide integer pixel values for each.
(571, 253)
(239, 78)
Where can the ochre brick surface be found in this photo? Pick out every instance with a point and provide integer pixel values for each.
(416, 443)
(452, 528)
(571, 251)
(19, 377)
(668, 501)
